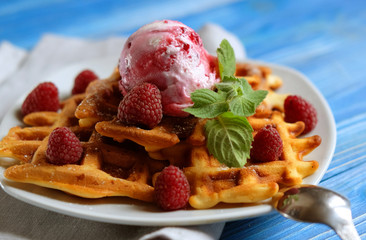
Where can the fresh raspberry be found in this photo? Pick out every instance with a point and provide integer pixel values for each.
(171, 189)
(63, 147)
(267, 145)
(82, 81)
(42, 98)
(141, 106)
(298, 109)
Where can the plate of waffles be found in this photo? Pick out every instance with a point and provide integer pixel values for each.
(114, 181)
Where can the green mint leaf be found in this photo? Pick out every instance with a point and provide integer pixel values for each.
(254, 96)
(205, 96)
(242, 99)
(231, 89)
(225, 87)
(207, 103)
(230, 79)
(231, 85)
(229, 139)
(226, 57)
(245, 85)
(257, 96)
(247, 100)
(242, 106)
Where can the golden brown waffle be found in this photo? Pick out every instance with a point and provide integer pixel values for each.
(212, 182)
(117, 159)
(106, 169)
(101, 102)
(100, 106)
(167, 134)
(22, 143)
(259, 77)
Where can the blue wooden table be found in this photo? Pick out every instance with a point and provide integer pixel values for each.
(325, 40)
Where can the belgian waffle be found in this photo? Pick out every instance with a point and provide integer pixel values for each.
(106, 169)
(122, 160)
(212, 182)
(100, 106)
(101, 102)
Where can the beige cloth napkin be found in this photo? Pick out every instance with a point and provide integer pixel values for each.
(19, 72)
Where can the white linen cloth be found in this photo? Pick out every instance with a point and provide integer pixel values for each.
(19, 71)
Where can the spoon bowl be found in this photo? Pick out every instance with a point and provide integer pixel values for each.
(309, 203)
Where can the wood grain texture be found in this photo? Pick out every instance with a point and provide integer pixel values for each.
(325, 40)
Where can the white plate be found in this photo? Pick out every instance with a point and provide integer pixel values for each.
(127, 211)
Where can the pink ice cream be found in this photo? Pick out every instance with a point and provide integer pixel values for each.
(170, 55)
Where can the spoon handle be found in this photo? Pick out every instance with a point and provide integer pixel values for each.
(347, 232)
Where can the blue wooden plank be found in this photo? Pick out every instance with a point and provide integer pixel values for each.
(92, 19)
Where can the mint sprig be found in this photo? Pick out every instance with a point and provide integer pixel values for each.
(234, 94)
(228, 132)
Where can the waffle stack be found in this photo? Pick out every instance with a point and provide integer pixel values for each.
(107, 168)
(122, 160)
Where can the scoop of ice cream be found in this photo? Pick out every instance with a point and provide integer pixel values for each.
(170, 55)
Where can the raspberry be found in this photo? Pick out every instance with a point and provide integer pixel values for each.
(298, 109)
(171, 189)
(63, 147)
(141, 106)
(42, 98)
(82, 81)
(267, 145)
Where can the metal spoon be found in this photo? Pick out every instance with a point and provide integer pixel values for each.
(309, 203)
